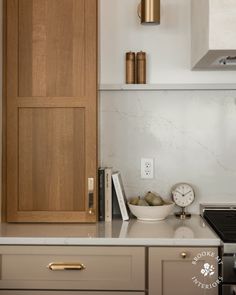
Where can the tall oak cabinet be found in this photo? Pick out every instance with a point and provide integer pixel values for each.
(51, 110)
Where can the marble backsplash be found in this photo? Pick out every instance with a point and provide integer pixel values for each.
(190, 134)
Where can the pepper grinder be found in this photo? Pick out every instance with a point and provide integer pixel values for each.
(141, 67)
(130, 67)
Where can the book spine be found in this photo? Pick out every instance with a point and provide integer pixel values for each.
(116, 214)
(101, 194)
(108, 195)
(120, 196)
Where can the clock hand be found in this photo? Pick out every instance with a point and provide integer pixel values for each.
(180, 193)
(187, 193)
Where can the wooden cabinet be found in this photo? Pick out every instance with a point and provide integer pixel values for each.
(73, 268)
(51, 110)
(171, 270)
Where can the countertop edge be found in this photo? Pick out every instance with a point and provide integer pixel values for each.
(109, 242)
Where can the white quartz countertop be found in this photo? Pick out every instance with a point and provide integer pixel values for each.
(170, 232)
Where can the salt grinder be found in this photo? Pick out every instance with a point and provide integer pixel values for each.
(141, 67)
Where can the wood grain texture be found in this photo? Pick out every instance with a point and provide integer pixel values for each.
(11, 106)
(51, 102)
(51, 159)
(51, 48)
(4, 126)
(25, 47)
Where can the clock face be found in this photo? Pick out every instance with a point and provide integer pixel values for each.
(183, 195)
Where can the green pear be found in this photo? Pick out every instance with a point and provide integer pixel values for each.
(153, 199)
(142, 202)
(134, 201)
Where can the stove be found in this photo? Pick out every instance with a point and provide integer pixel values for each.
(222, 219)
(223, 222)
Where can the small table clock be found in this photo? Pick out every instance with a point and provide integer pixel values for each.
(183, 196)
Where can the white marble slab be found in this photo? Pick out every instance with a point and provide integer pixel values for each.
(170, 232)
(191, 135)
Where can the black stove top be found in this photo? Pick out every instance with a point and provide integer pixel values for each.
(223, 222)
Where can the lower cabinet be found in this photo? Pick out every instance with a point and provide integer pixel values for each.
(72, 268)
(185, 271)
(75, 270)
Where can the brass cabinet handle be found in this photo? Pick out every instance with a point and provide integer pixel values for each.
(65, 266)
(183, 255)
(91, 196)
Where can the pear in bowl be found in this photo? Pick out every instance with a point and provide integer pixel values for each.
(150, 208)
(153, 199)
(151, 213)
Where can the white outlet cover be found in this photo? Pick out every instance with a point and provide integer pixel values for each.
(147, 168)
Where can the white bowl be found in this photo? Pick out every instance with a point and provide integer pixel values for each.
(151, 213)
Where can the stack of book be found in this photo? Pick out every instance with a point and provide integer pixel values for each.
(112, 199)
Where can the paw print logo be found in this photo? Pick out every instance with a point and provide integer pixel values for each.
(207, 270)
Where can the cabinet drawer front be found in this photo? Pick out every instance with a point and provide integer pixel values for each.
(104, 268)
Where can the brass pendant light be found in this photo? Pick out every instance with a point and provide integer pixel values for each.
(149, 11)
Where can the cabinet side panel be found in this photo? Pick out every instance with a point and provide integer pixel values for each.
(199, 29)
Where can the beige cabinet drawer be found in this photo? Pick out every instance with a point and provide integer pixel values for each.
(67, 293)
(106, 268)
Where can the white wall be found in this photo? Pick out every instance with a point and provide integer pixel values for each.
(191, 134)
(167, 45)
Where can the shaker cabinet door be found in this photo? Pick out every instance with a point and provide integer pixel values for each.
(51, 110)
(172, 271)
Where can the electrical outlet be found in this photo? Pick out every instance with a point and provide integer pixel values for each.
(147, 168)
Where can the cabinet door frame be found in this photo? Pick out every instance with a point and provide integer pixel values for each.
(13, 102)
(159, 255)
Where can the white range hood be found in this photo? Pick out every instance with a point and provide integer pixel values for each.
(213, 34)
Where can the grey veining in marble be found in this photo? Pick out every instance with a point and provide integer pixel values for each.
(190, 134)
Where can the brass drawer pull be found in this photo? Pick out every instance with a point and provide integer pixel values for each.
(183, 255)
(66, 266)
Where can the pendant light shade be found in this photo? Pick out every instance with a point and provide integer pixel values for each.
(149, 11)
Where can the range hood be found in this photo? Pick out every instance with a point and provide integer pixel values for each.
(213, 34)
